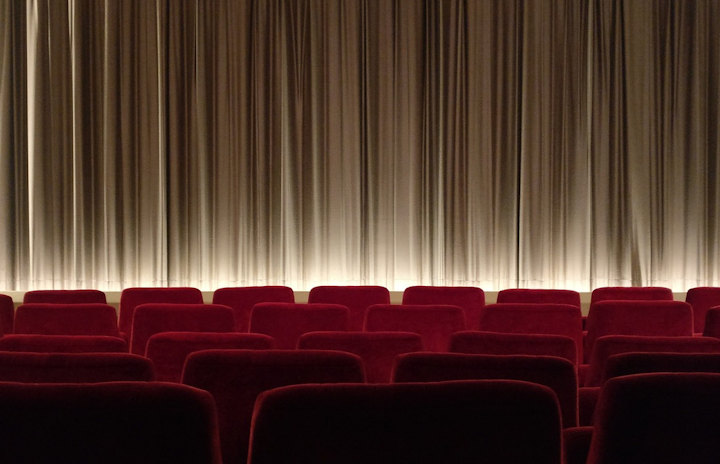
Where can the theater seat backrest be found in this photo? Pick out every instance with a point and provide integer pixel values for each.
(357, 298)
(63, 343)
(131, 297)
(65, 296)
(470, 299)
(242, 300)
(66, 319)
(73, 367)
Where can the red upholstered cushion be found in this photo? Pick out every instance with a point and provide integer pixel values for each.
(631, 317)
(474, 342)
(499, 421)
(152, 318)
(134, 296)
(576, 441)
(7, 314)
(701, 299)
(378, 350)
(357, 298)
(556, 373)
(657, 418)
(642, 363)
(538, 295)
(63, 343)
(712, 322)
(242, 300)
(285, 322)
(66, 319)
(109, 423)
(168, 350)
(73, 367)
(236, 377)
(64, 296)
(470, 299)
(630, 293)
(434, 323)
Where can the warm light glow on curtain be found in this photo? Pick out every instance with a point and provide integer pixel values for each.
(497, 143)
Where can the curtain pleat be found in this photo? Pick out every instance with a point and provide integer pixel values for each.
(497, 143)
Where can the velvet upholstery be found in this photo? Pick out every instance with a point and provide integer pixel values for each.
(630, 293)
(610, 345)
(168, 350)
(242, 300)
(642, 363)
(556, 373)
(535, 318)
(109, 423)
(66, 319)
(285, 322)
(356, 298)
(7, 314)
(152, 318)
(475, 342)
(576, 441)
(634, 317)
(587, 402)
(712, 322)
(470, 299)
(134, 296)
(377, 349)
(658, 418)
(74, 367)
(499, 421)
(236, 377)
(538, 295)
(63, 343)
(65, 296)
(701, 299)
(434, 323)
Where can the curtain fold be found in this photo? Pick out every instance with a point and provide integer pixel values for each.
(497, 143)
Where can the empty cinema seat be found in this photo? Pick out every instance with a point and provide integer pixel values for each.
(357, 298)
(242, 300)
(644, 363)
(65, 296)
(73, 367)
(538, 295)
(63, 343)
(712, 323)
(658, 418)
(474, 342)
(7, 314)
(109, 423)
(168, 350)
(627, 317)
(535, 318)
(378, 350)
(630, 293)
(471, 299)
(493, 421)
(66, 319)
(434, 323)
(135, 296)
(153, 318)
(556, 373)
(285, 322)
(701, 299)
(236, 377)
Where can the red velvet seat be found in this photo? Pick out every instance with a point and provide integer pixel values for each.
(152, 318)
(434, 323)
(66, 319)
(473, 342)
(538, 295)
(535, 318)
(168, 350)
(65, 296)
(471, 299)
(556, 373)
(500, 421)
(712, 323)
(644, 363)
(63, 343)
(7, 314)
(135, 296)
(109, 423)
(701, 299)
(630, 293)
(236, 377)
(73, 367)
(658, 418)
(629, 317)
(356, 298)
(242, 300)
(285, 322)
(378, 350)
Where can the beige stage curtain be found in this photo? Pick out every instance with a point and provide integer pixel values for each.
(498, 143)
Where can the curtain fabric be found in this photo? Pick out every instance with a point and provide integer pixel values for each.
(545, 143)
